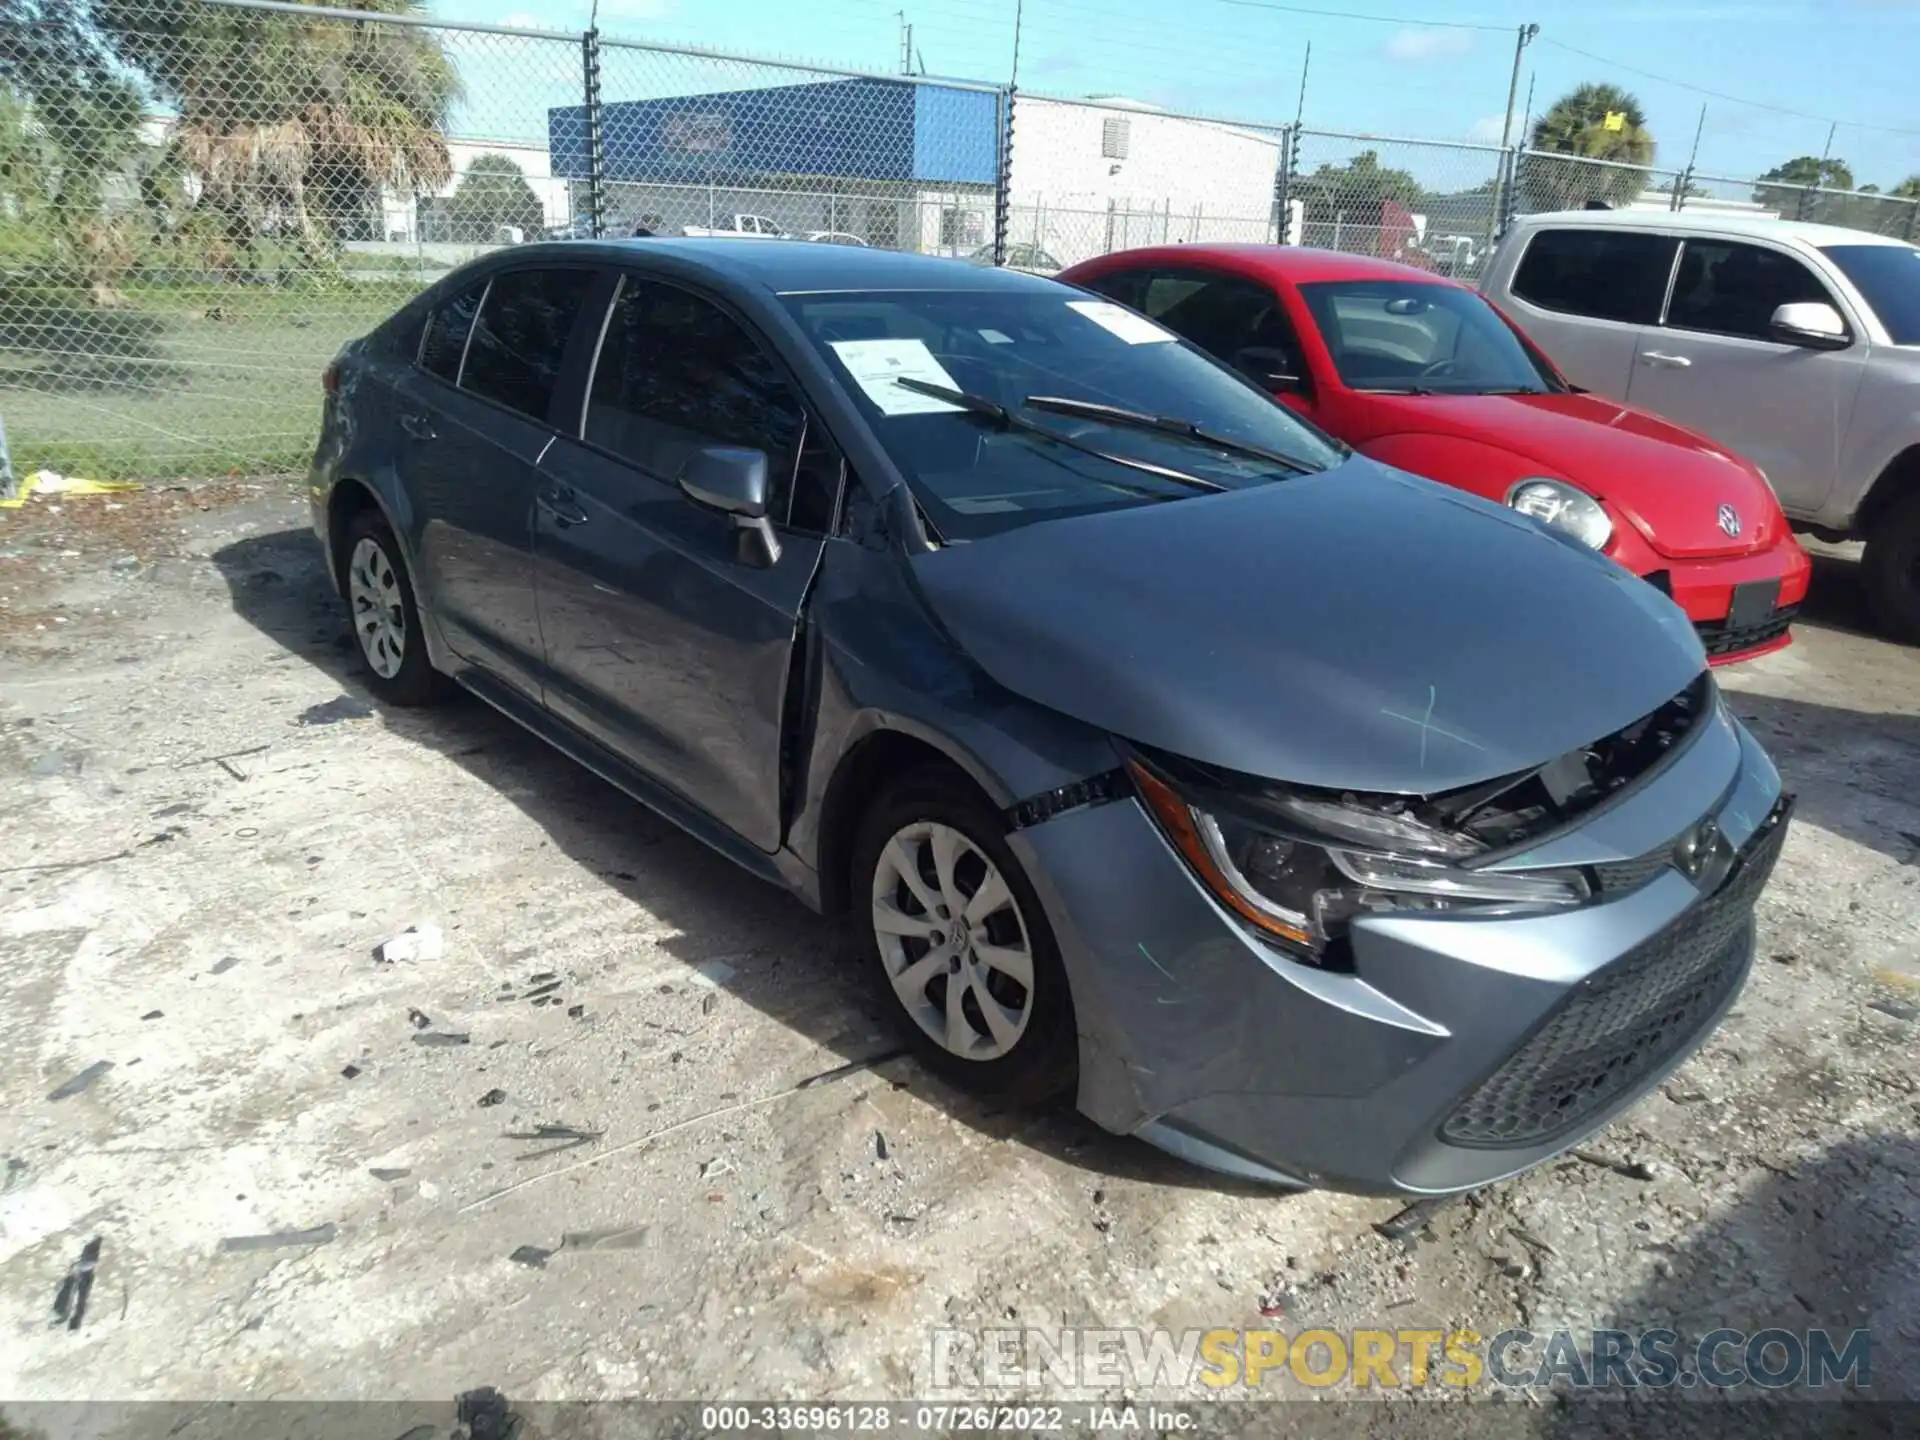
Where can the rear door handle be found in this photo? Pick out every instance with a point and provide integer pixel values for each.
(1666, 362)
(418, 426)
(558, 503)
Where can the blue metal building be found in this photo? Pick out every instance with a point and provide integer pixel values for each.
(903, 134)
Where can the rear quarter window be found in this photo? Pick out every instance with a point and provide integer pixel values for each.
(1606, 274)
(443, 339)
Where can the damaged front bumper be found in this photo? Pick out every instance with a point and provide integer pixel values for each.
(1459, 1049)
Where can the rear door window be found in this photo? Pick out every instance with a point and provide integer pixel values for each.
(1606, 274)
(520, 340)
(1727, 288)
(444, 340)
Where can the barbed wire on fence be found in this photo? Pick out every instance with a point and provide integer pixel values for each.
(202, 200)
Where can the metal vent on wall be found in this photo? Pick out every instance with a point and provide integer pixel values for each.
(1113, 138)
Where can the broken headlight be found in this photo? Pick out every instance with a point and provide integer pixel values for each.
(1299, 868)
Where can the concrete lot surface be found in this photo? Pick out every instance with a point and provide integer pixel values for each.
(310, 1171)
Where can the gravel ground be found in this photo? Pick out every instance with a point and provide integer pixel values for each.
(209, 831)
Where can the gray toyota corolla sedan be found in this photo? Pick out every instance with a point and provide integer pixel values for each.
(1316, 822)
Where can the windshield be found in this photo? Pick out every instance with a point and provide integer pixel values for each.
(976, 474)
(1407, 337)
(1889, 277)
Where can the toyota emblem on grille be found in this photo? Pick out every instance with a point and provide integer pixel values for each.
(1729, 520)
(1704, 855)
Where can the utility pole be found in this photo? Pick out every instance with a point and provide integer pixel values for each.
(1684, 182)
(1505, 174)
(906, 43)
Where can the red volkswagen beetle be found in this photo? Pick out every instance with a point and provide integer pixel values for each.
(1424, 374)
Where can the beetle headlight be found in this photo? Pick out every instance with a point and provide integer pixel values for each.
(1299, 868)
(1569, 510)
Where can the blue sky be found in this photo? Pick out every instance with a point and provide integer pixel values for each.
(1425, 70)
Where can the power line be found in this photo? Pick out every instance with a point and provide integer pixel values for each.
(1421, 21)
(1722, 95)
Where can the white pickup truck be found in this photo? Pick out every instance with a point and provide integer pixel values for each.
(738, 225)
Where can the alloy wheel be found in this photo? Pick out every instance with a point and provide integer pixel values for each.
(379, 611)
(953, 941)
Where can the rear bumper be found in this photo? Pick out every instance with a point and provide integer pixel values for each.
(1460, 1051)
(1704, 589)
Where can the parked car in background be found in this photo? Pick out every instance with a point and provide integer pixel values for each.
(1305, 818)
(1798, 345)
(738, 225)
(1422, 373)
(834, 237)
(1030, 258)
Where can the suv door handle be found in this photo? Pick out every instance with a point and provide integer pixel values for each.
(418, 426)
(557, 502)
(1666, 362)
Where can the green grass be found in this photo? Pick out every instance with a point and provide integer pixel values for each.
(183, 381)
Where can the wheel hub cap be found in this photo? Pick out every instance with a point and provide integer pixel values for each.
(953, 941)
(379, 611)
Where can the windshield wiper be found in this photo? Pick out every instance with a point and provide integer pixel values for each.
(1168, 425)
(998, 414)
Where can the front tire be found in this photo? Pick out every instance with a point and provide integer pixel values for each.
(953, 932)
(1891, 569)
(386, 616)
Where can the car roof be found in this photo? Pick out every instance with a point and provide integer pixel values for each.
(1758, 226)
(1300, 264)
(788, 267)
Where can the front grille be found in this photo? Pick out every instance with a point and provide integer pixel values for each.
(1624, 875)
(1625, 1021)
(1720, 639)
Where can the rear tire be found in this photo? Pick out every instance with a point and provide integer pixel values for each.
(1891, 569)
(954, 935)
(385, 615)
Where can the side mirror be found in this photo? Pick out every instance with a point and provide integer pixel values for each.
(1269, 368)
(733, 481)
(1811, 324)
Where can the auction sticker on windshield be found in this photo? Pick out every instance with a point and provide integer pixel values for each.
(876, 364)
(1118, 320)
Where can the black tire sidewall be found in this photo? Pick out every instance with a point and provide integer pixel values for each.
(1892, 570)
(416, 682)
(1042, 1063)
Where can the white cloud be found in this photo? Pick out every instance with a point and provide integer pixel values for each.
(1418, 44)
(1487, 128)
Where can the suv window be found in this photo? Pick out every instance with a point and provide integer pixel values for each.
(1889, 276)
(676, 373)
(1608, 274)
(1727, 288)
(1224, 316)
(520, 340)
(444, 340)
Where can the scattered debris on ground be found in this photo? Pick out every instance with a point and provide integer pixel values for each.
(278, 1240)
(82, 1082)
(418, 942)
(70, 1301)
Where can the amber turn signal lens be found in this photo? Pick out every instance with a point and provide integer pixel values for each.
(1177, 821)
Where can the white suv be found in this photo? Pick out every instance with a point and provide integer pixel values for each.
(1797, 345)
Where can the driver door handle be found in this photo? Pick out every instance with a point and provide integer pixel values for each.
(418, 426)
(558, 503)
(1666, 362)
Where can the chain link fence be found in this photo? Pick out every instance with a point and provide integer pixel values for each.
(201, 200)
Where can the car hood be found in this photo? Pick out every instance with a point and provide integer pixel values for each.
(1668, 481)
(1358, 629)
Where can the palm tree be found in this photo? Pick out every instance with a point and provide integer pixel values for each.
(1577, 125)
(290, 124)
